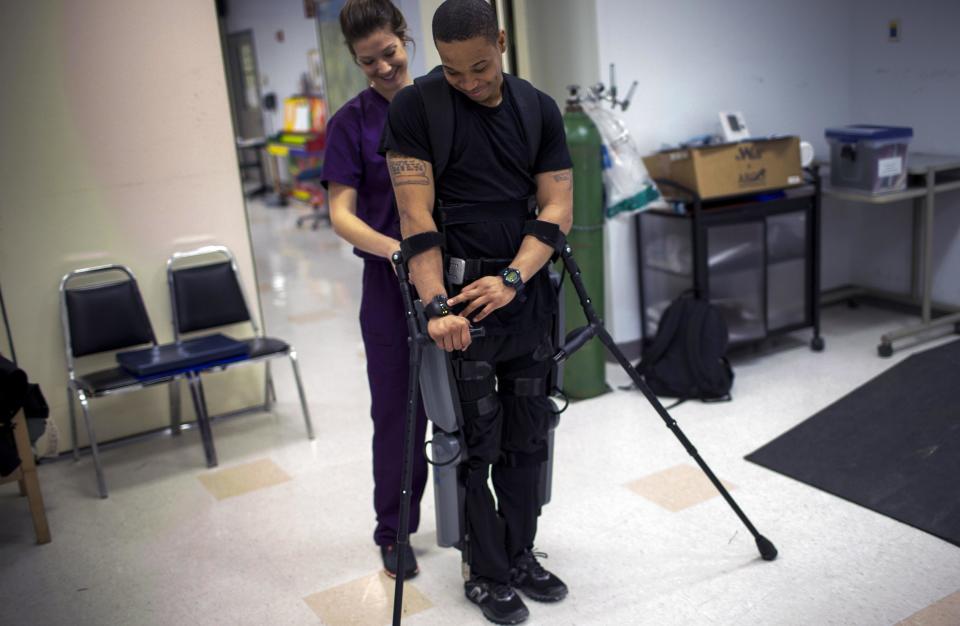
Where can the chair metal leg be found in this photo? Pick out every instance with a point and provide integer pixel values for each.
(174, 393)
(269, 392)
(73, 421)
(303, 397)
(88, 421)
(200, 406)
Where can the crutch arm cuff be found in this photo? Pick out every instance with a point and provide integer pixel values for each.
(421, 242)
(547, 232)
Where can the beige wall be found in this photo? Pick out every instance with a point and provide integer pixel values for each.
(117, 147)
(557, 45)
(431, 57)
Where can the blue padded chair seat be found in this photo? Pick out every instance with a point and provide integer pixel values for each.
(265, 346)
(112, 379)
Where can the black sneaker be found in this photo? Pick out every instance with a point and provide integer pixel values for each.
(500, 604)
(391, 557)
(536, 583)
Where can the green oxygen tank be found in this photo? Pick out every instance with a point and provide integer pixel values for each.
(583, 374)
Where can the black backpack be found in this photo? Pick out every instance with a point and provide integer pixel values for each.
(686, 359)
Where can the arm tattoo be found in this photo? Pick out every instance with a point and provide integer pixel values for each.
(407, 171)
(564, 176)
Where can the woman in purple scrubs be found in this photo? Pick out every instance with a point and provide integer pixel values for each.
(363, 212)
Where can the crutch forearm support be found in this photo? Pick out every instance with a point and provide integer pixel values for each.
(421, 242)
(442, 405)
(594, 328)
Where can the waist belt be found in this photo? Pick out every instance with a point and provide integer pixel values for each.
(463, 271)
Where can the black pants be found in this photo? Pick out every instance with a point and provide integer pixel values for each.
(508, 433)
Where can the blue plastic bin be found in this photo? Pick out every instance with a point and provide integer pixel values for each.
(869, 158)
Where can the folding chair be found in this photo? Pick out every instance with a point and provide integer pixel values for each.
(205, 293)
(107, 315)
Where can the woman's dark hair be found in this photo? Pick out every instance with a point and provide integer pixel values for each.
(459, 20)
(361, 18)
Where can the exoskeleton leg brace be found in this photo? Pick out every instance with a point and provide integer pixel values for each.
(573, 341)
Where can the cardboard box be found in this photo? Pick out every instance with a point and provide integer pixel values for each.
(729, 169)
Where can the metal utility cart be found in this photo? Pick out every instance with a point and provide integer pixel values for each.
(754, 257)
(928, 175)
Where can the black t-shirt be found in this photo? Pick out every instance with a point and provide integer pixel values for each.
(488, 163)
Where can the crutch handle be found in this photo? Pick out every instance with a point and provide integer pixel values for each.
(574, 341)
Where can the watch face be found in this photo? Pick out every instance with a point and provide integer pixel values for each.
(511, 276)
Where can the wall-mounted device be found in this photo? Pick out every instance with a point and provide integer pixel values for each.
(732, 126)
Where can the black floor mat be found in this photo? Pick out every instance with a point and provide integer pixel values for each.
(892, 445)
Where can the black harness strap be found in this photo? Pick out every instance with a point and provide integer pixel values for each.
(547, 232)
(525, 387)
(480, 212)
(421, 242)
(437, 97)
(478, 408)
(471, 370)
(465, 271)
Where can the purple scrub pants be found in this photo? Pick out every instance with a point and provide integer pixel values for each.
(384, 330)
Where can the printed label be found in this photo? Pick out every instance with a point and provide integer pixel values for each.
(890, 167)
(753, 179)
(793, 180)
(749, 152)
(679, 156)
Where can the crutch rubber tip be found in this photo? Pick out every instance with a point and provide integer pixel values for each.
(767, 550)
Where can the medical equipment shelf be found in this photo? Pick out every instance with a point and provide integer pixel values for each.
(929, 175)
(754, 257)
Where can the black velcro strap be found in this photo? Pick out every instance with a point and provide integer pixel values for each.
(486, 405)
(547, 232)
(471, 370)
(421, 242)
(522, 387)
(465, 271)
(523, 459)
(481, 212)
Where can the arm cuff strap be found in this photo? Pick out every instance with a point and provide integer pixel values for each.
(414, 245)
(547, 232)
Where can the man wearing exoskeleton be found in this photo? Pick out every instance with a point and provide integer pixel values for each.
(481, 157)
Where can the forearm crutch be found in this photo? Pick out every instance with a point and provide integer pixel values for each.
(578, 337)
(418, 340)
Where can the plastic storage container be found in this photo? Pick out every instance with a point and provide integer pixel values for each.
(868, 158)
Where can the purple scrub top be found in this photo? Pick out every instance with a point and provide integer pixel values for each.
(351, 159)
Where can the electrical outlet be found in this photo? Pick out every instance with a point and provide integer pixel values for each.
(893, 31)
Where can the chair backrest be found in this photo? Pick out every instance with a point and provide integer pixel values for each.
(102, 316)
(205, 296)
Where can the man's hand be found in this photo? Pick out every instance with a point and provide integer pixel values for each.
(488, 292)
(451, 332)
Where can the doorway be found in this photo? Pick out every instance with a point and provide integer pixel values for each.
(243, 86)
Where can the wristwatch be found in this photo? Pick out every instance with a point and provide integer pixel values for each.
(511, 278)
(437, 307)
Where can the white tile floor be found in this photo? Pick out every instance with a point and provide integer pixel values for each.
(164, 550)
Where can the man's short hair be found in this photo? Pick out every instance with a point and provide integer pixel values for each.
(459, 20)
